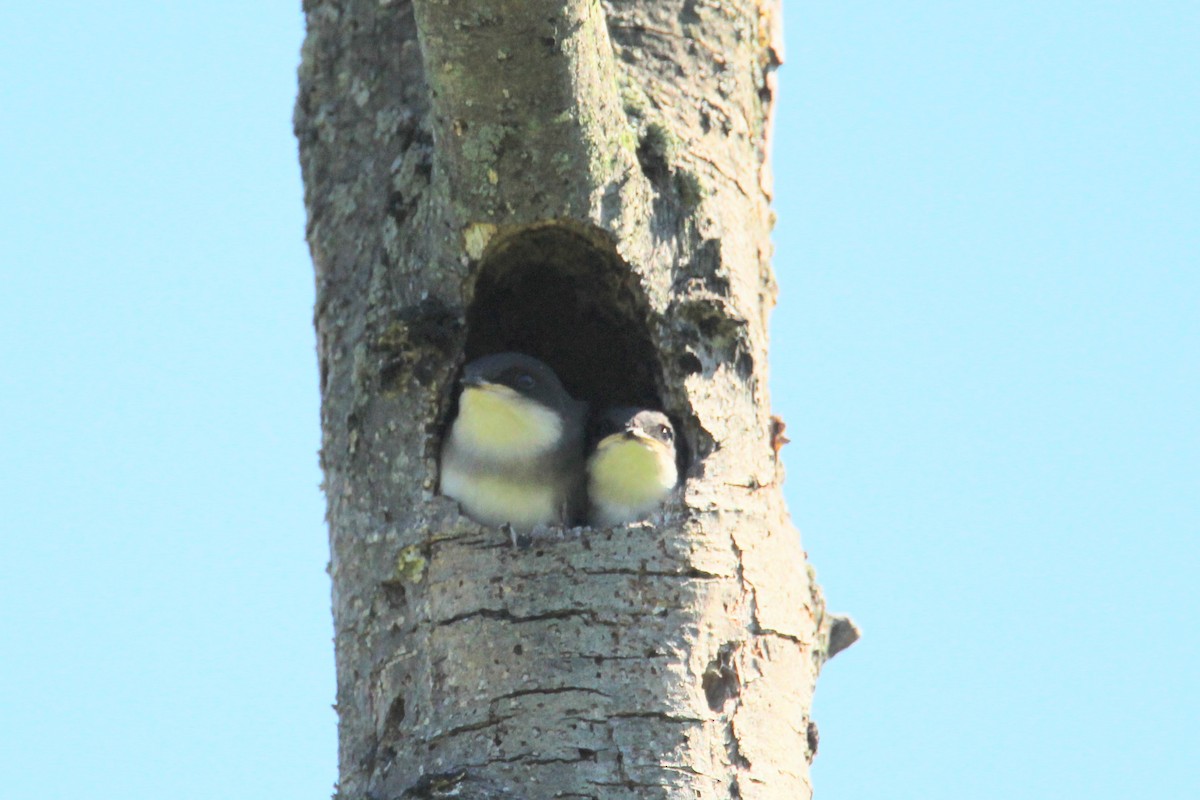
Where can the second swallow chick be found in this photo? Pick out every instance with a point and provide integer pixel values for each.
(632, 468)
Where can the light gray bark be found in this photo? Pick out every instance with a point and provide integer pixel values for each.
(589, 183)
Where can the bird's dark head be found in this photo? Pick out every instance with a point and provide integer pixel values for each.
(638, 423)
(523, 374)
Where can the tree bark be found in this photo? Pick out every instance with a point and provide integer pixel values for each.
(586, 182)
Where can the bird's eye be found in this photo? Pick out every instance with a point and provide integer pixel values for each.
(666, 433)
(525, 381)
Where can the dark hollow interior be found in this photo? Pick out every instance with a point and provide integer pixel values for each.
(561, 297)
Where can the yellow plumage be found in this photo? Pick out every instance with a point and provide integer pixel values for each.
(496, 499)
(514, 452)
(497, 433)
(629, 477)
(496, 419)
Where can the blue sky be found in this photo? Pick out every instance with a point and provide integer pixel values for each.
(986, 350)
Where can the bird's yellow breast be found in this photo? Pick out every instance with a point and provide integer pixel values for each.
(631, 473)
(496, 420)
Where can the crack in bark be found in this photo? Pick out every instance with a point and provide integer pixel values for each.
(558, 690)
(718, 56)
(470, 727)
(508, 616)
(600, 658)
(790, 637)
(661, 715)
(524, 759)
(736, 759)
(640, 573)
(733, 179)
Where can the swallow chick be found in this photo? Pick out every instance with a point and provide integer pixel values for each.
(632, 468)
(514, 452)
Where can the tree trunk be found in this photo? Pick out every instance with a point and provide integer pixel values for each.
(587, 183)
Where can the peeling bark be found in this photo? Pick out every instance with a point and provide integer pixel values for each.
(587, 183)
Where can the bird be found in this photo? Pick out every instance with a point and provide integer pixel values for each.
(632, 468)
(514, 452)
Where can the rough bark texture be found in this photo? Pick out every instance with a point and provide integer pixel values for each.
(588, 183)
